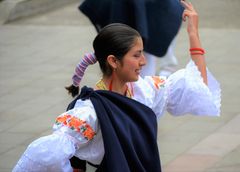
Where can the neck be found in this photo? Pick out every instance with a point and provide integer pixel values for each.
(115, 85)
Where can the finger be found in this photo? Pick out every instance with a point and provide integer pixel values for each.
(185, 14)
(191, 6)
(186, 5)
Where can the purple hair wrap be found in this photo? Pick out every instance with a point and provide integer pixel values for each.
(89, 58)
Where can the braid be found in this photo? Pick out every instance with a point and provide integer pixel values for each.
(89, 58)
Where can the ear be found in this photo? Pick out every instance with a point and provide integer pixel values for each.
(112, 61)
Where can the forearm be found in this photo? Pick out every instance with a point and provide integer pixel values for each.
(199, 59)
(197, 53)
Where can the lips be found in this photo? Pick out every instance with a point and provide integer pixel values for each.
(138, 71)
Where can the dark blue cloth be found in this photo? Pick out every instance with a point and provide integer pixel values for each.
(129, 131)
(158, 21)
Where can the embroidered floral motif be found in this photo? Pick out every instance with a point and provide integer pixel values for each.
(77, 125)
(158, 82)
(62, 119)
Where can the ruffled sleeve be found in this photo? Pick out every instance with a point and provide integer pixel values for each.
(151, 92)
(49, 153)
(187, 93)
(184, 92)
(73, 132)
(80, 122)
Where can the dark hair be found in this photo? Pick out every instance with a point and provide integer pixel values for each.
(72, 90)
(114, 39)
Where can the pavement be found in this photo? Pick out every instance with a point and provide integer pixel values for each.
(38, 55)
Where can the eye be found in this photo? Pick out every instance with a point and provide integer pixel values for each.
(137, 55)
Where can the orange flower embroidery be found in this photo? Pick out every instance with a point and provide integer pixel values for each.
(77, 125)
(74, 123)
(62, 119)
(158, 82)
(88, 132)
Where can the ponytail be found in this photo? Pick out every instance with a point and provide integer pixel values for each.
(88, 59)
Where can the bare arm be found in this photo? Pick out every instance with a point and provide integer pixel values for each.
(190, 15)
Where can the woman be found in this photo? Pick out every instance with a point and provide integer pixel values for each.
(115, 126)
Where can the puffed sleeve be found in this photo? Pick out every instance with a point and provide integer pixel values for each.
(184, 92)
(80, 122)
(73, 130)
(187, 93)
(48, 153)
(150, 91)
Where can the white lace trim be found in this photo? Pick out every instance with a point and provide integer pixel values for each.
(215, 93)
(193, 77)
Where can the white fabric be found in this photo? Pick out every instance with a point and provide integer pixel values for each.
(182, 93)
(92, 151)
(83, 110)
(49, 153)
(187, 94)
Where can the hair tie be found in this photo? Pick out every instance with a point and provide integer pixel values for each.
(89, 58)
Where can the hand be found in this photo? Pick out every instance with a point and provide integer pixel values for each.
(190, 15)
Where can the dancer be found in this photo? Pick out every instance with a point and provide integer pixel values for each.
(115, 125)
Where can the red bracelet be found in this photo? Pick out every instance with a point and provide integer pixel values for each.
(197, 49)
(197, 53)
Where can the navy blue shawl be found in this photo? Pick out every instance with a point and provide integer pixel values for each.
(158, 21)
(129, 131)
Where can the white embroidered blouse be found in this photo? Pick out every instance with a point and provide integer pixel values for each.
(78, 130)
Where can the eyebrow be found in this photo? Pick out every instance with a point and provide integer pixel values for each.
(139, 51)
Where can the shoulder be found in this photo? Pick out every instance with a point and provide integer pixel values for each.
(146, 89)
(151, 82)
(81, 119)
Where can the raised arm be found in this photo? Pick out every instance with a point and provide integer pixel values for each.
(197, 52)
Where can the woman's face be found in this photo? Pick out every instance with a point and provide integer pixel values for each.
(132, 62)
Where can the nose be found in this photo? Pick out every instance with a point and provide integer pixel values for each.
(143, 60)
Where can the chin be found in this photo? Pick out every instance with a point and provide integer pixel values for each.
(133, 78)
(136, 78)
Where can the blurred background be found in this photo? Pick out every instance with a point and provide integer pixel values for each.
(41, 41)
